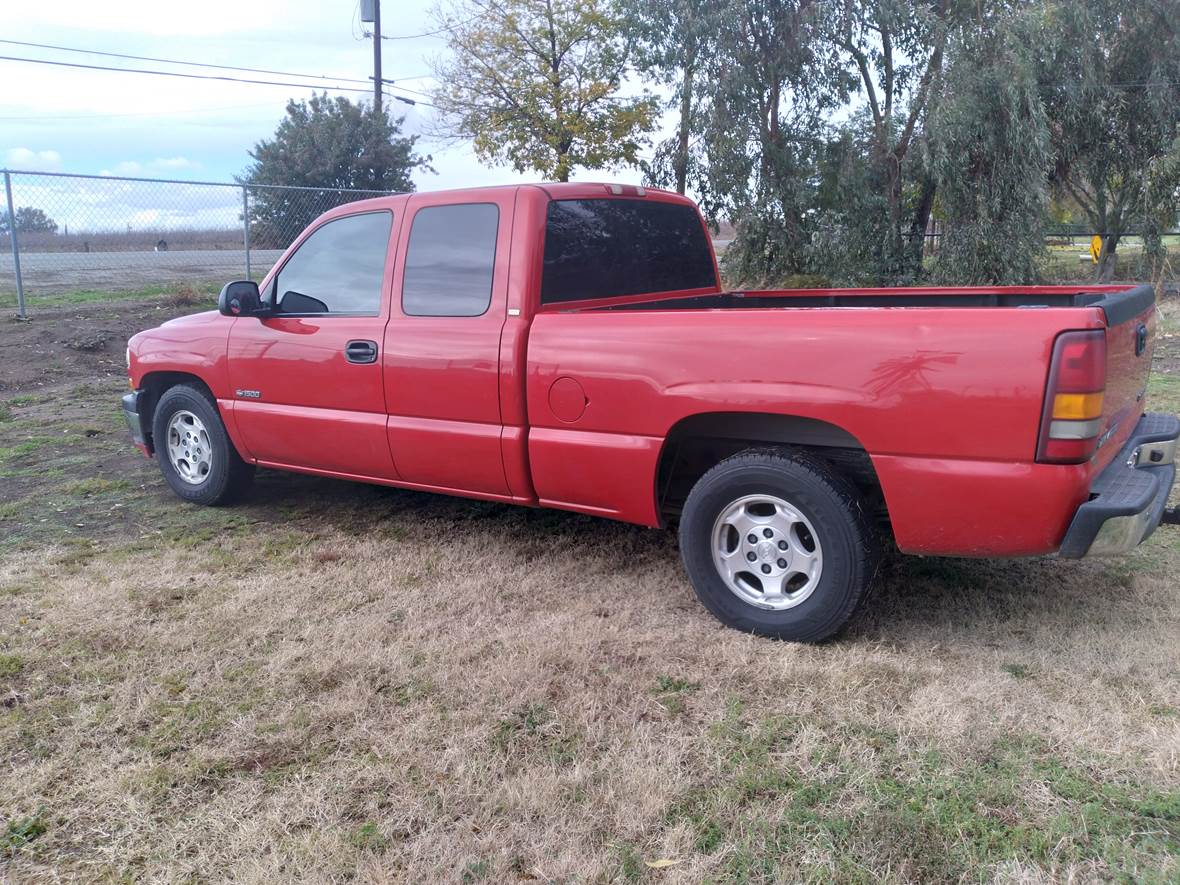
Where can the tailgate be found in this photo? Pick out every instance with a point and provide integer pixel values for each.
(1130, 338)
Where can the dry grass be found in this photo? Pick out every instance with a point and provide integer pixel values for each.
(339, 682)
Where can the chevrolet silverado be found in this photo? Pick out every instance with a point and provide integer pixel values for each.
(572, 346)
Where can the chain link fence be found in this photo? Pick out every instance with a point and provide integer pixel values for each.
(81, 234)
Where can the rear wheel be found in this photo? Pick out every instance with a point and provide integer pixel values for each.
(777, 544)
(196, 457)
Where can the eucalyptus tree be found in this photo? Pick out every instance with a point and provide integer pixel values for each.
(990, 152)
(773, 82)
(896, 51)
(675, 42)
(1110, 78)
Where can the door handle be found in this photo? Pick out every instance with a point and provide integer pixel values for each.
(361, 352)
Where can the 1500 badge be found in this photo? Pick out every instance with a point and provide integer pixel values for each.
(248, 394)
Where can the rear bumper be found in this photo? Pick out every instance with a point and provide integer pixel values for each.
(1128, 498)
(131, 403)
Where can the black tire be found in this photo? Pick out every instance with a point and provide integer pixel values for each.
(228, 475)
(849, 544)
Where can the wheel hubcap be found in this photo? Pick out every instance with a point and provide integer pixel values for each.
(189, 448)
(767, 552)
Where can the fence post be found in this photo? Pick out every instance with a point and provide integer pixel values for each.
(20, 288)
(246, 226)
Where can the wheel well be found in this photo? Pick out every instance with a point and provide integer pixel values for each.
(698, 443)
(153, 385)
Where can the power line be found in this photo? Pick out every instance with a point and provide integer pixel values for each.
(434, 33)
(173, 61)
(418, 36)
(70, 64)
(236, 107)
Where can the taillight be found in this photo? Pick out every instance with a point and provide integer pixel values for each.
(1072, 419)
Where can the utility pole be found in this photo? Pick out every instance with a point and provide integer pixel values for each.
(377, 55)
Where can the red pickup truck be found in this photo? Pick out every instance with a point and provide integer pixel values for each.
(571, 346)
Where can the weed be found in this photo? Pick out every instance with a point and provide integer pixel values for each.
(535, 729)
(10, 665)
(1017, 671)
(671, 693)
(19, 833)
(629, 861)
(368, 837)
(476, 871)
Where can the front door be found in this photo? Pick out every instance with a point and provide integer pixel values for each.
(442, 344)
(307, 380)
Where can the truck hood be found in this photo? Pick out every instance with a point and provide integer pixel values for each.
(204, 316)
(186, 328)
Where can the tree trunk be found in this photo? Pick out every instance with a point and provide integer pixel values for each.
(680, 163)
(1108, 258)
(922, 221)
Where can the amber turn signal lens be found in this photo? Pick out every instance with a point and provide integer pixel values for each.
(1077, 406)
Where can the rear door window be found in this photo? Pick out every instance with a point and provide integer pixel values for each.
(450, 260)
(607, 247)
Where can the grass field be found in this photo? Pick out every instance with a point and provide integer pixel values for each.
(333, 682)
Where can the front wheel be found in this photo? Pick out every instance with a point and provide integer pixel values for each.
(196, 457)
(777, 544)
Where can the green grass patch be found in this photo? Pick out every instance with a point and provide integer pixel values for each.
(1163, 392)
(1017, 671)
(534, 731)
(25, 448)
(19, 832)
(871, 806)
(367, 837)
(11, 665)
(199, 293)
(26, 399)
(88, 488)
(672, 693)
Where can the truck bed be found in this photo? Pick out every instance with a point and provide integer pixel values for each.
(1117, 302)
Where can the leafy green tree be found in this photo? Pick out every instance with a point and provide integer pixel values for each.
(536, 85)
(991, 155)
(327, 144)
(1111, 83)
(29, 220)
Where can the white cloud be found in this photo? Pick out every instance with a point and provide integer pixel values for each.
(174, 163)
(127, 167)
(36, 161)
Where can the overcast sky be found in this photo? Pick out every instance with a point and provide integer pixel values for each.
(73, 120)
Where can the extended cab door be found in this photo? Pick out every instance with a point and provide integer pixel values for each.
(442, 344)
(307, 383)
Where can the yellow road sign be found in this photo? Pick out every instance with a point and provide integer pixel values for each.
(1095, 248)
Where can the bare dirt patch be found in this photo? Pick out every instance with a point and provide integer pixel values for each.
(333, 681)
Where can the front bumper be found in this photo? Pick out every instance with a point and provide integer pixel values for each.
(131, 413)
(1128, 498)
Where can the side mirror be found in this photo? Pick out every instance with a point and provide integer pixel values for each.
(241, 298)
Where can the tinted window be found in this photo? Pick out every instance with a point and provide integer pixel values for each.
(449, 261)
(602, 248)
(338, 269)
